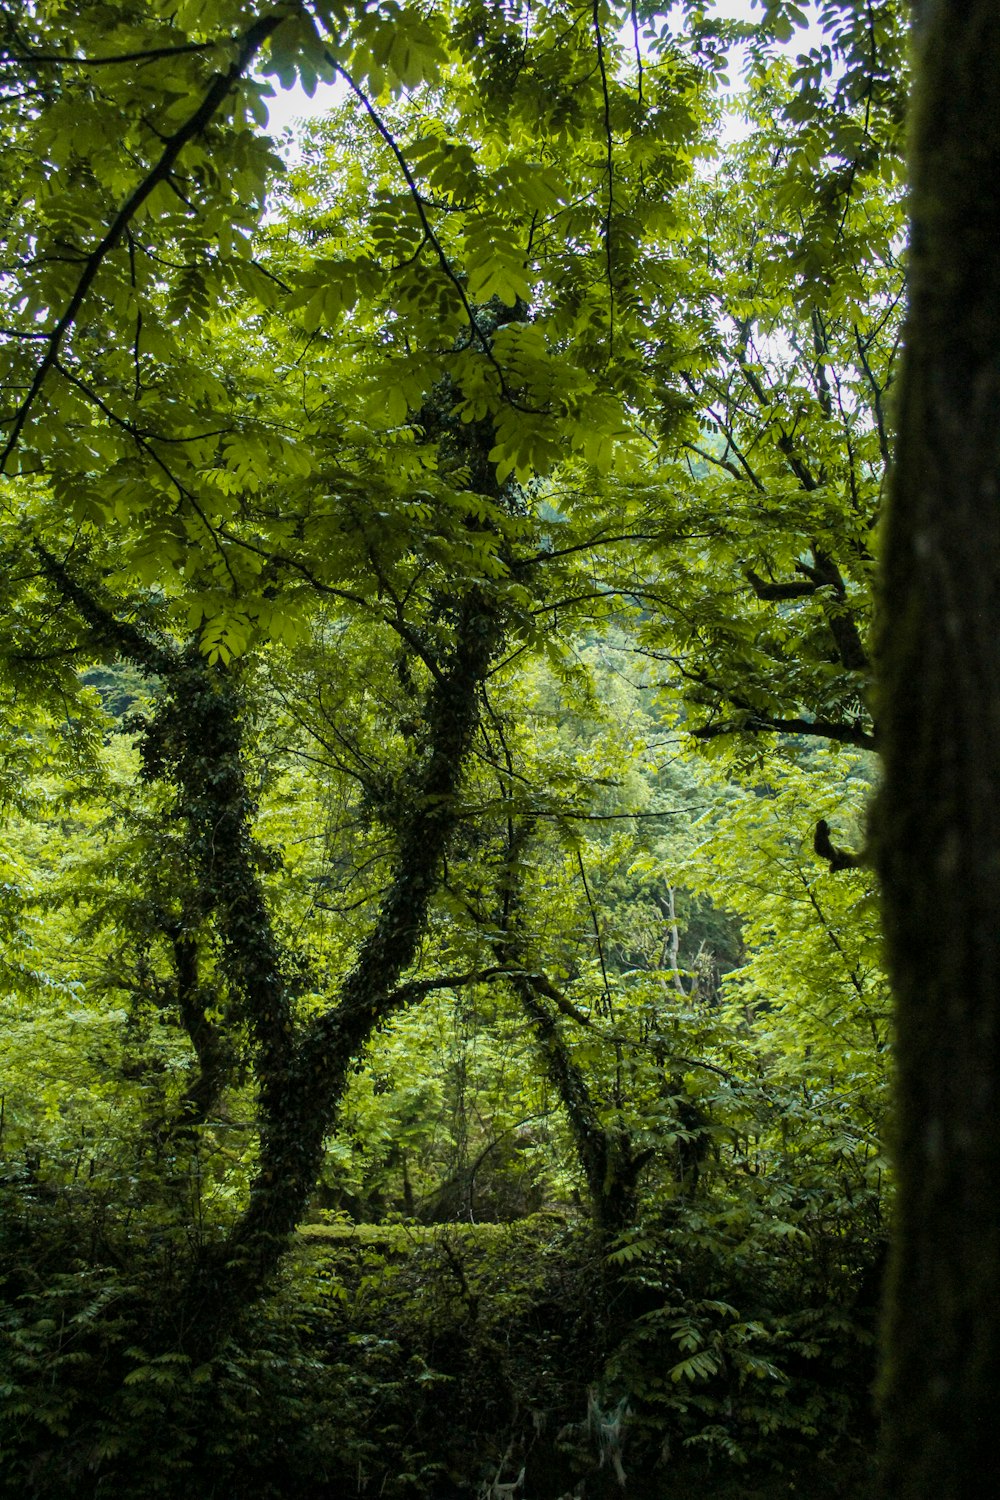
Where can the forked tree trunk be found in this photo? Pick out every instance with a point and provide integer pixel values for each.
(302, 1068)
(938, 830)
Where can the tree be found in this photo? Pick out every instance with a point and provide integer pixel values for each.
(937, 819)
(409, 516)
(498, 365)
(768, 505)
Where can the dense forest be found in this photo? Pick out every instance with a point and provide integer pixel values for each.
(471, 565)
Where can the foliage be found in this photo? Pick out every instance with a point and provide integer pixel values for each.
(419, 1363)
(392, 530)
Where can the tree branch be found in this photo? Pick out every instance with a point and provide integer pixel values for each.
(250, 45)
(760, 723)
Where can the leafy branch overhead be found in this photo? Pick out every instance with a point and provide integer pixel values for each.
(436, 678)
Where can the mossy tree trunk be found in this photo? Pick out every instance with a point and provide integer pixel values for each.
(194, 742)
(302, 1083)
(605, 1150)
(938, 832)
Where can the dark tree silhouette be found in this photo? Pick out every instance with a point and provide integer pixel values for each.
(938, 834)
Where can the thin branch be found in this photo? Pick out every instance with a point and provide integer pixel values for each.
(145, 446)
(405, 994)
(597, 929)
(638, 49)
(610, 169)
(592, 542)
(443, 261)
(877, 394)
(154, 657)
(151, 54)
(852, 972)
(252, 42)
(579, 817)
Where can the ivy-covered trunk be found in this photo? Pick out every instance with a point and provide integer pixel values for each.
(939, 822)
(606, 1152)
(303, 1069)
(194, 741)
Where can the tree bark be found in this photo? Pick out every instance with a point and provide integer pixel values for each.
(606, 1152)
(938, 821)
(298, 1103)
(194, 741)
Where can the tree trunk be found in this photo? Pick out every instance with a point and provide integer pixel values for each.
(938, 825)
(194, 741)
(606, 1153)
(302, 1086)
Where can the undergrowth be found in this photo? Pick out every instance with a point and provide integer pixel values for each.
(497, 1362)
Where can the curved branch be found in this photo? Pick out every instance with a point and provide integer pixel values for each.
(419, 203)
(759, 723)
(250, 45)
(150, 54)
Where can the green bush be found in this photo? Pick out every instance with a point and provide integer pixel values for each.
(420, 1363)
